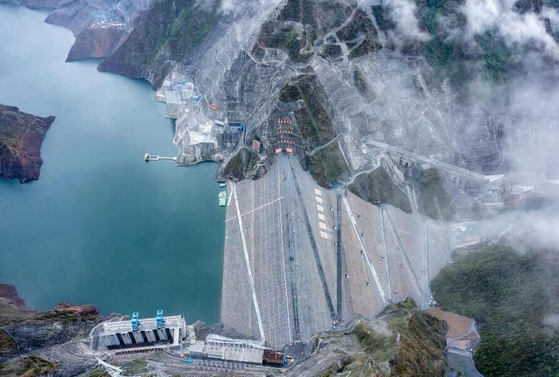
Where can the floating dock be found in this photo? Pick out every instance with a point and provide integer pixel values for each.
(223, 198)
(152, 157)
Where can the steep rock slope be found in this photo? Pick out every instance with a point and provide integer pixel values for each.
(21, 136)
(34, 330)
(402, 342)
(169, 30)
(100, 26)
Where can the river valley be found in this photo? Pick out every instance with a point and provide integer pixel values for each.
(102, 226)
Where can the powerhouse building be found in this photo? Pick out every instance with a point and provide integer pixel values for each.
(145, 332)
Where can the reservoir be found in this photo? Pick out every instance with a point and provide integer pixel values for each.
(102, 226)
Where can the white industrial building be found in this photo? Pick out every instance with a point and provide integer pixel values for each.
(222, 348)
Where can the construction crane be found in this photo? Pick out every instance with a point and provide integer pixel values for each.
(135, 321)
(160, 320)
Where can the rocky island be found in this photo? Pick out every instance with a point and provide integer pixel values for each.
(21, 136)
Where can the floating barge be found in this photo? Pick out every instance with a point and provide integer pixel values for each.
(223, 198)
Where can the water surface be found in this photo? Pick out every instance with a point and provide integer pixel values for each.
(101, 226)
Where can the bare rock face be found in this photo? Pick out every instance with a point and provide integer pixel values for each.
(100, 26)
(36, 330)
(200, 152)
(34, 4)
(96, 43)
(21, 136)
(80, 310)
(241, 166)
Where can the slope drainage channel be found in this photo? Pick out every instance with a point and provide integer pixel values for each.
(339, 253)
(404, 253)
(313, 245)
(365, 253)
(249, 270)
(291, 253)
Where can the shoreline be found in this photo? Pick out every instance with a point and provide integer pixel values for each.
(193, 188)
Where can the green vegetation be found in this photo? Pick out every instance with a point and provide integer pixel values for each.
(313, 120)
(361, 25)
(285, 37)
(98, 373)
(379, 346)
(31, 366)
(382, 17)
(170, 27)
(419, 350)
(302, 11)
(136, 367)
(7, 344)
(378, 186)
(454, 60)
(241, 165)
(58, 315)
(192, 27)
(9, 313)
(422, 341)
(328, 165)
(281, 35)
(332, 13)
(332, 51)
(446, 55)
(499, 59)
(509, 294)
(435, 199)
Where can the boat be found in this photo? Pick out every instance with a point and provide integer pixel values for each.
(222, 198)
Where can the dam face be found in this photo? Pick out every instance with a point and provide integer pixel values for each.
(318, 257)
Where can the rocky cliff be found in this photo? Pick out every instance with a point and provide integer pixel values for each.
(402, 341)
(100, 26)
(36, 4)
(96, 42)
(23, 330)
(21, 136)
(168, 31)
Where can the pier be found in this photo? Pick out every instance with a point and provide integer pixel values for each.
(152, 157)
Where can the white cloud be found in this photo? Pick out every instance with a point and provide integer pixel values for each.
(515, 28)
(236, 6)
(551, 320)
(552, 15)
(403, 13)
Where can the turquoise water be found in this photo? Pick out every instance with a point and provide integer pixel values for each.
(102, 226)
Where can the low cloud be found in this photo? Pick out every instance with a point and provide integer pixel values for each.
(381, 327)
(551, 320)
(515, 28)
(532, 229)
(237, 6)
(403, 13)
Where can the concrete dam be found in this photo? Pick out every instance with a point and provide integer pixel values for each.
(300, 259)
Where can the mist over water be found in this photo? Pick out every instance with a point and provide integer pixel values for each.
(101, 226)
